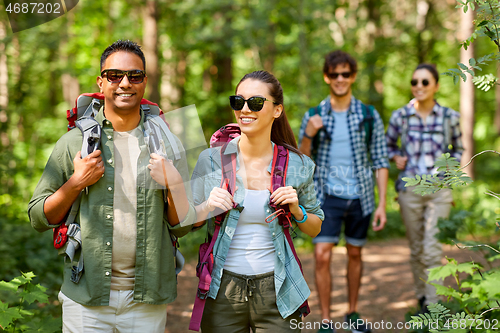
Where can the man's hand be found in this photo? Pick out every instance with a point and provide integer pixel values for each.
(314, 124)
(163, 171)
(379, 219)
(88, 170)
(400, 161)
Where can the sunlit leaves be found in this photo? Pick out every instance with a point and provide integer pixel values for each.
(450, 175)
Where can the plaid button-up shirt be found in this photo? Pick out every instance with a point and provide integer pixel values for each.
(365, 160)
(427, 139)
(290, 285)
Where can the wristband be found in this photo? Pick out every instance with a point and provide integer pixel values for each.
(303, 212)
(307, 136)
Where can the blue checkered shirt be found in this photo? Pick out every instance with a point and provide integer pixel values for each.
(428, 139)
(290, 285)
(363, 164)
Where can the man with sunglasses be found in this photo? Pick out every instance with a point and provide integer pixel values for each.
(345, 158)
(125, 215)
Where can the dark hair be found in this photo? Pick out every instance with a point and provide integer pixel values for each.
(431, 68)
(339, 57)
(281, 132)
(123, 45)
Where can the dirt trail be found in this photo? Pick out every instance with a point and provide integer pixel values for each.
(386, 293)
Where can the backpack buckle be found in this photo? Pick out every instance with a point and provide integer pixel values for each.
(76, 274)
(202, 294)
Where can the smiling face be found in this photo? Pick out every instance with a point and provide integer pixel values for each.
(260, 122)
(123, 97)
(421, 92)
(340, 86)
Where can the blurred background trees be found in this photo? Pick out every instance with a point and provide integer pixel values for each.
(196, 53)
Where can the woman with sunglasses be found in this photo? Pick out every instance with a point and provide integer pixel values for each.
(257, 283)
(427, 130)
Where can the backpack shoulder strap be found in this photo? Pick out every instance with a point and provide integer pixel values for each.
(368, 121)
(446, 128)
(405, 119)
(278, 178)
(314, 110)
(154, 126)
(228, 179)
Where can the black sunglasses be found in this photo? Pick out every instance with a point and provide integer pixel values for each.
(254, 103)
(414, 82)
(334, 75)
(117, 75)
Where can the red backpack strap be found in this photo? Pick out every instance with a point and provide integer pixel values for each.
(204, 268)
(278, 178)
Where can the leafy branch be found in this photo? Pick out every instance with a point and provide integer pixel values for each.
(18, 317)
(450, 175)
(488, 25)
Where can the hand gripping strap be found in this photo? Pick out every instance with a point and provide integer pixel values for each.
(205, 265)
(278, 177)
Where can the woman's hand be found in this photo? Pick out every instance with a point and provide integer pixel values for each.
(219, 198)
(400, 161)
(288, 195)
(163, 171)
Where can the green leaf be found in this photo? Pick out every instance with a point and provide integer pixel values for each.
(438, 273)
(463, 76)
(472, 62)
(47, 324)
(8, 315)
(483, 22)
(34, 293)
(462, 66)
(9, 286)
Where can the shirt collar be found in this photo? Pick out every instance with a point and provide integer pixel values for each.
(232, 148)
(101, 118)
(435, 110)
(328, 105)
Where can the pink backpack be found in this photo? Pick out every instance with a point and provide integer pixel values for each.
(225, 134)
(228, 182)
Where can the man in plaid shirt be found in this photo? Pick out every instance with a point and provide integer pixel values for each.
(345, 159)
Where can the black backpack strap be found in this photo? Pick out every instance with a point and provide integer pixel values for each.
(315, 141)
(367, 123)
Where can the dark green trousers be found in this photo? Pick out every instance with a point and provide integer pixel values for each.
(246, 303)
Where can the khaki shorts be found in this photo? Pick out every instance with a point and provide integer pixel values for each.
(246, 303)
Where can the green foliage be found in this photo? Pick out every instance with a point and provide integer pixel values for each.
(17, 313)
(485, 82)
(452, 176)
(487, 24)
(439, 319)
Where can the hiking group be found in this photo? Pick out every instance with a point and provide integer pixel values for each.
(117, 193)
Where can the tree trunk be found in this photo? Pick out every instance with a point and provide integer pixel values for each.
(467, 95)
(497, 110)
(4, 91)
(150, 47)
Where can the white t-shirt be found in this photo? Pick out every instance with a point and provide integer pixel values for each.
(252, 250)
(126, 154)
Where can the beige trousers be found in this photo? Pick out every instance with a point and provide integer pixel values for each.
(420, 215)
(122, 315)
